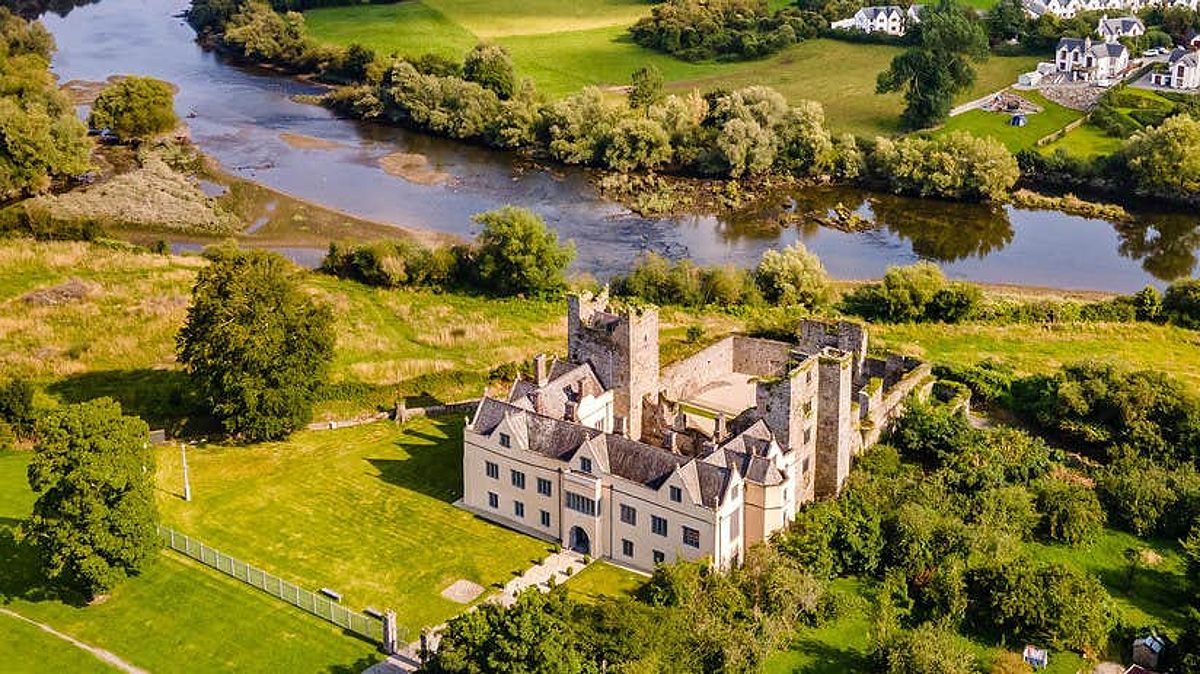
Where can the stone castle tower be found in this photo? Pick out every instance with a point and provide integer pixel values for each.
(622, 347)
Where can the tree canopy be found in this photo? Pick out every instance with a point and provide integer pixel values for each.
(256, 346)
(135, 107)
(41, 139)
(948, 40)
(517, 253)
(94, 521)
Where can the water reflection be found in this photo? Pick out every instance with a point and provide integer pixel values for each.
(245, 118)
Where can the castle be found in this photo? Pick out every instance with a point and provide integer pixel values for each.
(620, 459)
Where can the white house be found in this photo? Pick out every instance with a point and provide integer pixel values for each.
(1112, 30)
(889, 19)
(1183, 71)
(1089, 61)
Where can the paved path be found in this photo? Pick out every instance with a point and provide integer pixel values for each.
(99, 653)
(555, 566)
(971, 105)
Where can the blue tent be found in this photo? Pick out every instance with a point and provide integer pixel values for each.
(1018, 120)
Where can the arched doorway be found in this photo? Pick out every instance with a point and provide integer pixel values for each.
(577, 540)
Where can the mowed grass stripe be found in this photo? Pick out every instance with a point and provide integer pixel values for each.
(178, 616)
(366, 511)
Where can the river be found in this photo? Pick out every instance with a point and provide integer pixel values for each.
(247, 120)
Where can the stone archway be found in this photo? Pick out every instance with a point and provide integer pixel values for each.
(578, 541)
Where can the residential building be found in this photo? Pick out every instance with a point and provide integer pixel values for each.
(1087, 61)
(889, 19)
(1182, 71)
(615, 457)
(1112, 30)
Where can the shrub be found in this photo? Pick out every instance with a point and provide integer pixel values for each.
(918, 292)
(695, 30)
(393, 264)
(490, 66)
(516, 253)
(793, 276)
(1181, 303)
(954, 166)
(1071, 513)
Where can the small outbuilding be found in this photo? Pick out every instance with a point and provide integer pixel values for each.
(1148, 650)
(1030, 79)
(1038, 658)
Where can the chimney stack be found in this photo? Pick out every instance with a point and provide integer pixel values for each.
(541, 369)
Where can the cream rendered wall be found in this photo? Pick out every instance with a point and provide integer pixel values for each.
(477, 451)
(596, 411)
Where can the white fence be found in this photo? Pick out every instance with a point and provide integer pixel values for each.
(367, 626)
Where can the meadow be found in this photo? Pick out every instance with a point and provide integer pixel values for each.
(564, 47)
(170, 618)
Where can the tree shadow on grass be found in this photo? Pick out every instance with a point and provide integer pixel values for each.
(163, 398)
(1152, 591)
(20, 570)
(357, 667)
(829, 659)
(434, 463)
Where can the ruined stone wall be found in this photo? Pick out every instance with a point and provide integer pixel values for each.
(789, 406)
(761, 357)
(685, 378)
(916, 378)
(842, 335)
(834, 422)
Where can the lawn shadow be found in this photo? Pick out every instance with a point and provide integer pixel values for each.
(20, 570)
(434, 463)
(828, 659)
(1152, 591)
(163, 398)
(359, 665)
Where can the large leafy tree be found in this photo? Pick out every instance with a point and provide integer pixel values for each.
(255, 345)
(932, 71)
(1166, 159)
(517, 253)
(135, 107)
(41, 139)
(94, 519)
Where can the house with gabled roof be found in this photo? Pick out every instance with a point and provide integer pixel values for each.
(613, 457)
(1112, 30)
(889, 19)
(1086, 61)
(1182, 70)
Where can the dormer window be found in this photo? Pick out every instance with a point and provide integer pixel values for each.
(585, 464)
(505, 440)
(676, 494)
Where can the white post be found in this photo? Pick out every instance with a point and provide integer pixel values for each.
(187, 484)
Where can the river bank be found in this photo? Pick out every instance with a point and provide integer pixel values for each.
(240, 116)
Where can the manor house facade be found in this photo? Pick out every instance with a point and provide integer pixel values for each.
(617, 458)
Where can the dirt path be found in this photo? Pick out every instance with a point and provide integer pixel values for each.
(99, 653)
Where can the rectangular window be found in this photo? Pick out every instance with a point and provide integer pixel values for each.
(493, 499)
(518, 479)
(807, 435)
(804, 467)
(735, 524)
(676, 494)
(626, 548)
(628, 515)
(493, 471)
(807, 407)
(581, 504)
(659, 557)
(543, 486)
(691, 537)
(505, 440)
(585, 464)
(519, 509)
(545, 519)
(658, 525)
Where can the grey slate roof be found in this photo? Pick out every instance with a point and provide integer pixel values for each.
(1120, 25)
(568, 383)
(874, 11)
(629, 459)
(1180, 55)
(1099, 49)
(747, 452)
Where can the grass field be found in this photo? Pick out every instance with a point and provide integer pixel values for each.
(366, 511)
(1042, 348)
(1016, 138)
(176, 617)
(1086, 141)
(566, 46)
(600, 579)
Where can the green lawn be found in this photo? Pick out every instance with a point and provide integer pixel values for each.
(842, 645)
(176, 617)
(1041, 348)
(1085, 141)
(1016, 138)
(1147, 594)
(366, 511)
(601, 579)
(566, 46)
